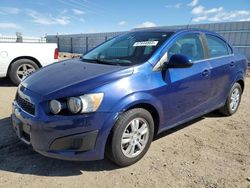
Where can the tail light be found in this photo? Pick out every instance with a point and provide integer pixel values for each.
(56, 54)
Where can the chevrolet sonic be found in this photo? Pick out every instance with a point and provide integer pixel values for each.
(118, 96)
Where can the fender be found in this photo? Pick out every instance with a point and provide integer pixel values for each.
(239, 76)
(138, 98)
(123, 105)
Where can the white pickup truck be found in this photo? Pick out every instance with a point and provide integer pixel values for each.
(18, 60)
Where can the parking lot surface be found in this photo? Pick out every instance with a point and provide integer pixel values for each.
(211, 151)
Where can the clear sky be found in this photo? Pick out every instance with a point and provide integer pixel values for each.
(37, 18)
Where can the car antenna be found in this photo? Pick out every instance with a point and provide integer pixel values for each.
(189, 22)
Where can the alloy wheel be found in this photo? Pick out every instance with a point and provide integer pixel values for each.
(235, 98)
(24, 70)
(135, 137)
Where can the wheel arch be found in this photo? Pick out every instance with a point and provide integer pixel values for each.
(133, 100)
(152, 110)
(139, 104)
(24, 57)
(242, 84)
(142, 100)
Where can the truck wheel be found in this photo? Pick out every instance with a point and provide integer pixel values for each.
(131, 137)
(20, 69)
(233, 101)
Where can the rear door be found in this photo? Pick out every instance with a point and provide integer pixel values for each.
(187, 90)
(222, 63)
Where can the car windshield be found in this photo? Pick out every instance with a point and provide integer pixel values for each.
(128, 49)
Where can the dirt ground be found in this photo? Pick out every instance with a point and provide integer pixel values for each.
(64, 55)
(211, 151)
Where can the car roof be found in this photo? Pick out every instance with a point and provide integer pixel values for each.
(172, 30)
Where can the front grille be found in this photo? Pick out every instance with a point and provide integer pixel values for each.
(25, 105)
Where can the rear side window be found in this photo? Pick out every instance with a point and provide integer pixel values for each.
(216, 46)
(189, 45)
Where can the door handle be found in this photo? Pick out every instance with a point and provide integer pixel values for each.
(205, 72)
(232, 64)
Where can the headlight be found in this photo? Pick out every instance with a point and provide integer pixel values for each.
(82, 104)
(91, 102)
(55, 106)
(74, 104)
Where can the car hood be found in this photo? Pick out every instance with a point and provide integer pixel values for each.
(73, 77)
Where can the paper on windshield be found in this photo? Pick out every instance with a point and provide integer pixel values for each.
(146, 43)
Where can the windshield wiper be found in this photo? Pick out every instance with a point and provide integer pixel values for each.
(102, 61)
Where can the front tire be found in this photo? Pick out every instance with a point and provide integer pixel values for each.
(131, 137)
(20, 69)
(233, 101)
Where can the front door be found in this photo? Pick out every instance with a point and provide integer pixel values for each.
(187, 90)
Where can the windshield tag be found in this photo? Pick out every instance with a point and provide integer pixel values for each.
(146, 43)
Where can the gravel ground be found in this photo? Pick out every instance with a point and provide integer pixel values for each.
(211, 151)
(64, 55)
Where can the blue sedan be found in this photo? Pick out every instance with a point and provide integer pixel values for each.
(117, 97)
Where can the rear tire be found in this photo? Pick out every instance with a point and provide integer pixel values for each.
(131, 137)
(233, 101)
(20, 69)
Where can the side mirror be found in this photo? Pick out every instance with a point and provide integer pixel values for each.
(178, 61)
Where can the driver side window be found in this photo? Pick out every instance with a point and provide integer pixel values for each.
(189, 45)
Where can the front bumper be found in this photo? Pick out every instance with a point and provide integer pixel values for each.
(81, 137)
